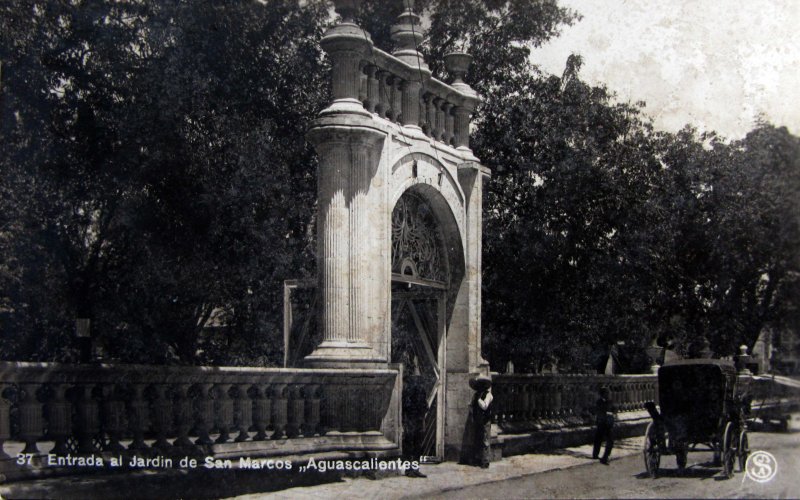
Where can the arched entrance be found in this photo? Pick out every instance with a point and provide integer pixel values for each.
(421, 278)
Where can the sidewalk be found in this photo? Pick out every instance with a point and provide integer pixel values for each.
(258, 484)
(452, 476)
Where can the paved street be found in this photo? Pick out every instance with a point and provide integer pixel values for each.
(570, 473)
(624, 478)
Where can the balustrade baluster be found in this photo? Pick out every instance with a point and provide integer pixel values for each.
(423, 114)
(626, 396)
(296, 408)
(431, 114)
(279, 411)
(618, 397)
(438, 102)
(329, 418)
(383, 95)
(410, 103)
(224, 415)
(184, 417)
(113, 417)
(59, 419)
(449, 122)
(510, 399)
(558, 408)
(262, 412)
(205, 414)
(162, 416)
(31, 425)
(244, 413)
(524, 401)
(139, 419)
(87, 415)
(567, 398)
(312, 410)
(535, 398)
(499, 402)
(554, 396)
(5, 419)
(397, 99)
(372, 88)
(363, 85)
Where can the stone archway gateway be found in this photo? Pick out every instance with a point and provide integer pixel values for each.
(421, 278)
(399, 195)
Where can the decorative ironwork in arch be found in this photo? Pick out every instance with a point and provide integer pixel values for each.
(417, 244)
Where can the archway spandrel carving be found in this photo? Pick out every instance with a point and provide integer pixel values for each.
(417, 169)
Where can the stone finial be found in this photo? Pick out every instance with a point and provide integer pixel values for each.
(347, 9)
(346, 44)
(407, 34)
(457, 64)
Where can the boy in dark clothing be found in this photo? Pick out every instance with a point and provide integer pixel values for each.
(604, 419)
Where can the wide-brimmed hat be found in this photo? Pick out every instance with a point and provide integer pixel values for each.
(480, 383)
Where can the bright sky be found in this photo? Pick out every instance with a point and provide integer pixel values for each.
(715, 64)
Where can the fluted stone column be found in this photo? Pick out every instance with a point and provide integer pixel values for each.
(349, 241)
(352, 192)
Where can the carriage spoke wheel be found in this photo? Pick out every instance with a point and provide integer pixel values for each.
(744, 450)
(729, 449)
(651, 452)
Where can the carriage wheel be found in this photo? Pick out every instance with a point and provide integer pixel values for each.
(651, 452)
(744, 450)
(729, 448)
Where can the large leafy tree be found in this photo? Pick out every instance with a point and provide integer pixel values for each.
(730, 252)
(566, 262)
(157, 172)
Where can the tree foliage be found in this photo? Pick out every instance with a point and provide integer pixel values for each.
(156, 179)
(158, 172)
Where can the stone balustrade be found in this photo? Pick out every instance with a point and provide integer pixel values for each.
(397, 87)
(83, 409)
(409, 96)
(528, 401)
(769, 397)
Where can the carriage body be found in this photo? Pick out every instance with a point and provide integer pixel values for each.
(700, 404)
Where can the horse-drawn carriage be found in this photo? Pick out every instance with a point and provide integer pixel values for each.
(701, 403)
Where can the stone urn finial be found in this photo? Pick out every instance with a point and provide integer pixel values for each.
(347, 9)
(457, 64)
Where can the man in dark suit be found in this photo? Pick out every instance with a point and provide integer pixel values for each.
(604, 419)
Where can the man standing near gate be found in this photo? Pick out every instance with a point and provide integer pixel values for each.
(604, 419)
